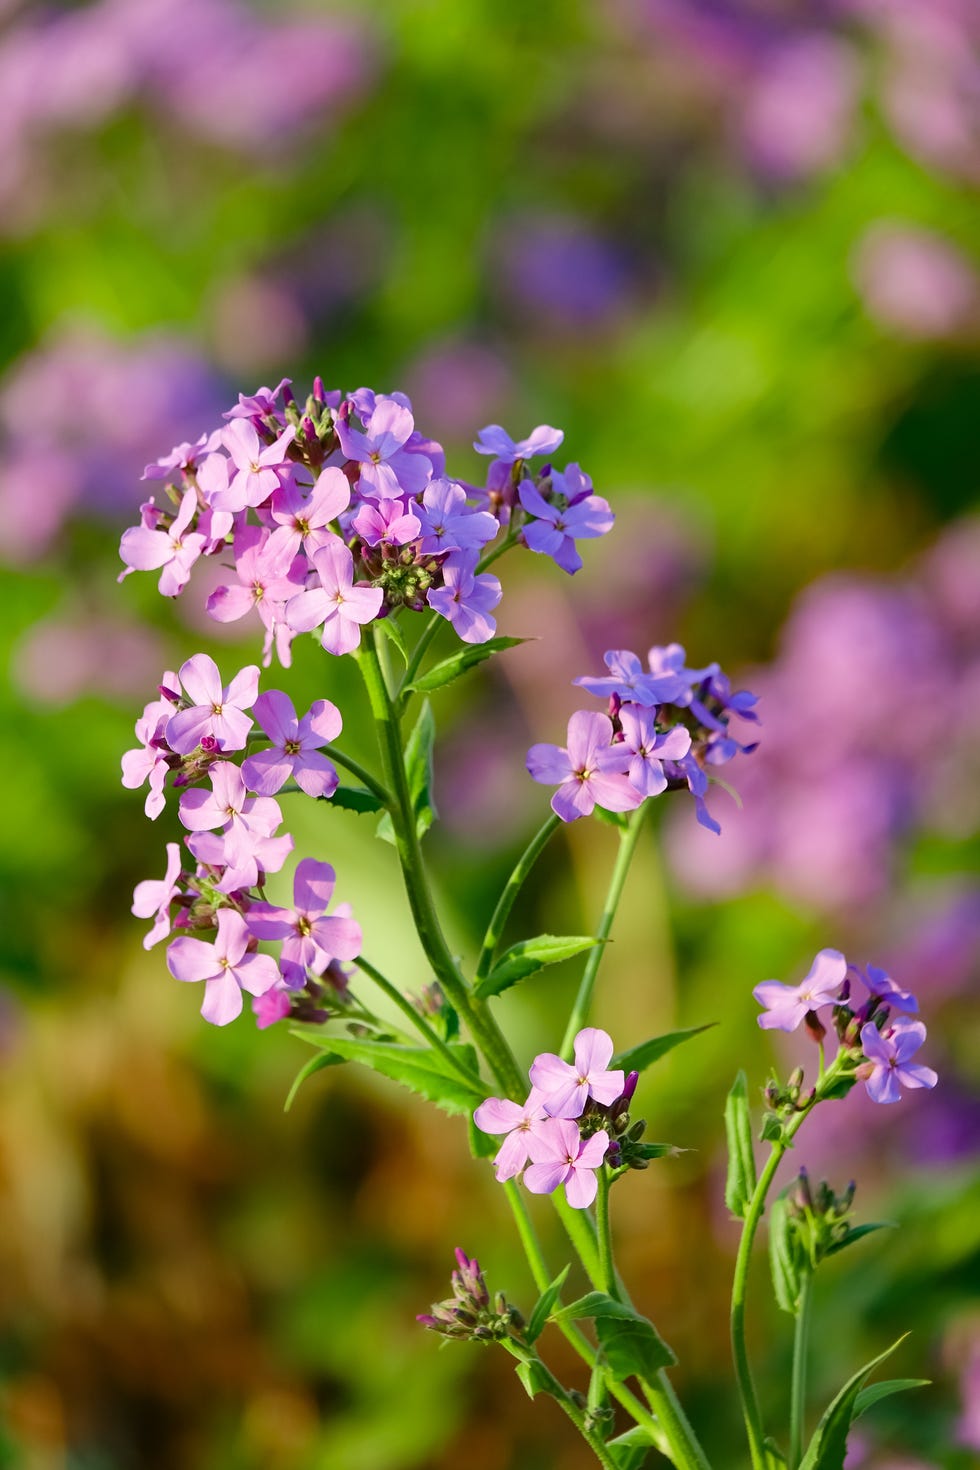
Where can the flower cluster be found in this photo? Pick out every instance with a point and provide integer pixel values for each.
(575, 1118)
(339, 511)
(879, 1046)
(469, 1312)
(233, 841)
(667, 726)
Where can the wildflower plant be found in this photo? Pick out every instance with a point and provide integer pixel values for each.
(336, 517)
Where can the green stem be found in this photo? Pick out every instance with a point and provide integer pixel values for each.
(484, 1028)
(627, 846)
(797, 1409)
(418, 653)
(558, 1391)
(421, 1024)
(607, 1270)
(356, 769)
(486, 561)
(512, 888)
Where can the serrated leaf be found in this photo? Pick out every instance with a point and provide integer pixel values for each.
(828, 1446)
(541, 1310)
(530, 955)
(315, 1064)
(356, 799)
(632, 1346)
(629, 1451)
(418, 769)
(419, 1068)
(594, 1304)
(534, 1377)
(448, 669)
(393, 632)
(741, 1180)
(783, 1262)
(858, 1233)
(875, 1392)
(638, 1058)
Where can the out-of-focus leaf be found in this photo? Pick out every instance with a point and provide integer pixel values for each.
(741, 1180)
(419, 1068)
(638, 1058)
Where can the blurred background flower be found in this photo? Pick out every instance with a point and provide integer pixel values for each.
(732, 249)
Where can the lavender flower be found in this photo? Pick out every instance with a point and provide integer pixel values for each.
(787, 1005)
(888, 1068)
(564, 1089)
(226, 968)
(590, 771)
(295, 746)
(466, 598)
(215, 711)
(562, 1156)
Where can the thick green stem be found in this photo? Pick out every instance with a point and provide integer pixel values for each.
(797, 1407)
(512, 888)
(420, 1023)
(580, 1011)
(484, 1028)
(607, 1269)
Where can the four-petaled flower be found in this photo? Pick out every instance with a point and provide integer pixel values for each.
(295, 750)
(312, 937)
(555, 529)
(787, 1005)
(225, 966)
(467, 598)
(561, 1155)
(496, 441)
(215, 711)
(500, 1115)
(888, 1068)
(337, 603)
(589, 771)
(565, 1088)
(152, 898)
(174, 551)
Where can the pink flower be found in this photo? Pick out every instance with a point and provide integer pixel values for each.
(565, 1089)
(214, 711)
(311, 938)
(226, 968)
(308, 517)
(152, 898)
(590, 772)
(337, 603)
(562, 1156)
(149, 759)
(295, 746)
(500, 1115)
(175, 550)
(387, 468)
(786, 1005)
(258, 467)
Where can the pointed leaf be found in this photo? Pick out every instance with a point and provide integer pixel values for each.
(858, 1233)
(630, 1450)
(828, 1446)
(419, 1068)
(741, 1181)
(315, 1064)
(394, 633)
(534, 1377)
(783, 1259)
(482, 1145)
(450, 668)
(356, 799)
(638, 1058)
(884, 1390)
(530, 955)
(541, 1310)
(632, 1346)
(418, 769)
(594, 1304)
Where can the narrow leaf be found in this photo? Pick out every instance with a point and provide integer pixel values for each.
(355, 799)
(783, 1261)
(541, 1310)
(530, 955)
(632, 1347)
(465, 658)
(638, 1058)
(394, 633)
(534, 1377)
(858, 1233)
(884, 1390)
(315, 1064)
(418, 768)
(828, 1446)
(741, 1181)
(419, 1068)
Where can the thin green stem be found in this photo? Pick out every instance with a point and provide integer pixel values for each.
(797, 1407)
(484, 1028)
(511, 889)
(420, 1023)
(607, 1270)
(418, 653)
(487, 561)
(356, 769)
(628, 838)
(558, 1391)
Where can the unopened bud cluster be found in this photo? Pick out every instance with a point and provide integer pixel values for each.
(470, 1312)
(817, 1217)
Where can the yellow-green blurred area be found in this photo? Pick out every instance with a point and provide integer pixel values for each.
(731, 247)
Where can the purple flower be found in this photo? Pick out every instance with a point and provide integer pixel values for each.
(183, 457)
(258, 466)
(227, 805)
(786, 1005)
(448, 524)
(466, 598)
(240, 855)
(500, 1115)
(562, 1156)
(149, 759)
(272, 1006)
(386, 522)
(152, 898)
(175, 550)
(225, 967)
(496, 441)
(629, 681)
(555, 530)
(650, 749)
(888, 1053)
(264, 564)
(565, 1088)
(258, 405)
(311, 938)
(883, 988)
(295, 746)
(214, 711)
(387, 468)
(308, 517)
(590, 771)
(337, 603)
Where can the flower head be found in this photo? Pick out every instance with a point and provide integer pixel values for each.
(888, 1068)
(564, 1088)
(787, 1005)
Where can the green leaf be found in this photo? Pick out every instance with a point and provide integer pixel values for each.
(530, 955)
(418, 768)
(828, 1446)
(630, 1450)
(356, 799)
(858, 1233)
(611, 819)
(466, 658)
(541, 1310)
(632, 1346)
(653, 1150)
(394, 633)
(741, 1181)
(775, 1459)
(783, 1259)
(315, 1064)
(772, 1129)
(534, 1377)
(419, 1068)
(594, 1304)
(884, 1390)
(638, 1058)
